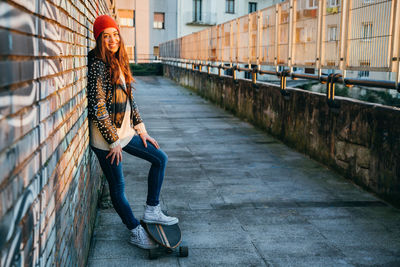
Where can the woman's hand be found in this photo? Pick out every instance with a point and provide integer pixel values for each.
(145, 137)
(115, 153)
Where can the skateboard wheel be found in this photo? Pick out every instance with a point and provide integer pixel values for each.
(183, 251)
(153, 254)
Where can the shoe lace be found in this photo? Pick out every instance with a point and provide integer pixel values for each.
(157, 210)
(140, 235)
(144, 238)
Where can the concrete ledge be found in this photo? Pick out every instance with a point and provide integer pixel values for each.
(359, 140)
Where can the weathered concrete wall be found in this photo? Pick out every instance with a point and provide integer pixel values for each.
(359, 140)
(49, 182)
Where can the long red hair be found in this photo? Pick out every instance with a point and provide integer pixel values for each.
(116, 61)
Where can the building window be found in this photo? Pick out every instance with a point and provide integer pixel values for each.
(332, 33)
(364, 73)
(366, 31)
(129, 51)
(230, 6)
(197, 10)
(156, 52)
(312, 4)
(252, 7)
(125, 18)
(159, 19)
(309, 70)
(333, 3)
(300, 35)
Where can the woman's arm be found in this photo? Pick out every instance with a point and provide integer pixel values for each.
(97, 103)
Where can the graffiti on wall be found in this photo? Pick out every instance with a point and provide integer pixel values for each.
(39, 62)
(12, 233)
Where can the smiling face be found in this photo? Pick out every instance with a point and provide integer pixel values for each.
(111, 39)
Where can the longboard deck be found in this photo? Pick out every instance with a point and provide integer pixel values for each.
(168, 236)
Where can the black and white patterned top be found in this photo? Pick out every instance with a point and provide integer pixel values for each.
(107, 101)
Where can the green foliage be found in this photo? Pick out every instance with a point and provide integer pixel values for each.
(371, 95)
(145, 69)
(341, 90)
(382, 97)
(307, 86)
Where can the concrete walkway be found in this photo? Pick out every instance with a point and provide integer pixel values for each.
(243, 198)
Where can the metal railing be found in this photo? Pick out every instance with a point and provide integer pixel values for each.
(344, 35)
(144, 58)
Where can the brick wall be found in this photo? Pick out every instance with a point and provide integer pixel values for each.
(360, 140)
(49, 179)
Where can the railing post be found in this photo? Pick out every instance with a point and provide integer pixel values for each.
(259, 36)
(231, 41)
(277, 34)
(395, 53)
(291, 26)
(237, 40)
(330, 89)
(248, 40)
(344, 30)
(320, 33)
(218, 52)
(283, 75)
(254, 74)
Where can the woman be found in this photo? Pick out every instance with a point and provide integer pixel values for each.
(115, 125)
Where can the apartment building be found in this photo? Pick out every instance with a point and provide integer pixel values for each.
(158, 21)
(196, 15)
(144, 24)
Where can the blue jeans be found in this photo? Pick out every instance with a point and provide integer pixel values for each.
(115, 177)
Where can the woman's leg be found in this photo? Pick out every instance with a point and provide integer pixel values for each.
(158, 160)
(115, 179)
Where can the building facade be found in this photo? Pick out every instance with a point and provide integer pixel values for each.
(144, 24)
(196, 15)
(158, 21)
(163, 22)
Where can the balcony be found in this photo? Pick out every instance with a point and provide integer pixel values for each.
(204, 19)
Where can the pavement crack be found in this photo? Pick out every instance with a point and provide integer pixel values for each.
(260, 255)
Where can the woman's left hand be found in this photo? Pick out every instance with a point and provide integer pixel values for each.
(145, 137)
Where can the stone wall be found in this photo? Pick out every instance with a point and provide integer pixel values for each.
(360, 140)
(49, 180)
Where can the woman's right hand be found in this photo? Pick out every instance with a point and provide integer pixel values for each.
(115, 154)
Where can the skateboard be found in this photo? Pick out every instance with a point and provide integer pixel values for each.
(168, 237)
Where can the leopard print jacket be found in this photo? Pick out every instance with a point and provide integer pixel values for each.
(107, 101)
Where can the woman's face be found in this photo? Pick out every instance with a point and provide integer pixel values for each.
(111, 39)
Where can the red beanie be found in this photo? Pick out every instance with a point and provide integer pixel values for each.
(103, 22)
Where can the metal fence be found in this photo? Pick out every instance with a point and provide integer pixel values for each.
(356, 35)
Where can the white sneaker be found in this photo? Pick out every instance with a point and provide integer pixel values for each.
(140, 238)
(153, 214)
